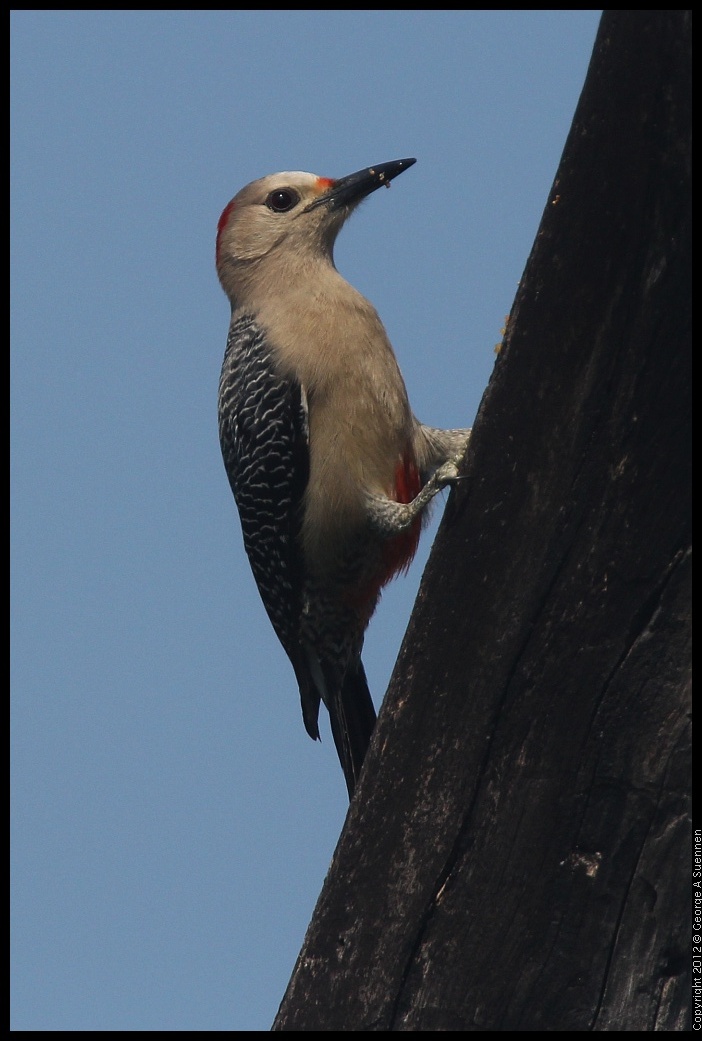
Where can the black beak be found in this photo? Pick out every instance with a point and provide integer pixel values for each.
(356, 186)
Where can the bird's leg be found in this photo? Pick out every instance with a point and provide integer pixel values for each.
(388, 518)
(440, 446)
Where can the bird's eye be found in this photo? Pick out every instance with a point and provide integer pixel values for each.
(282, 200)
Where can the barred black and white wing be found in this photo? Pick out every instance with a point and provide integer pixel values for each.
(263, 434)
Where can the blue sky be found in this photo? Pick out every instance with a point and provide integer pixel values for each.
(172, 822)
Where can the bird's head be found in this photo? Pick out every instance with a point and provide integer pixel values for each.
(293, 217)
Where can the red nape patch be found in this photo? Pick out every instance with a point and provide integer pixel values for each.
(221, 225)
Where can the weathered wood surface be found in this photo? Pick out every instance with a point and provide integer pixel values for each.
(517, 854)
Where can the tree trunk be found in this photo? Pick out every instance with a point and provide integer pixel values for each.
(516, 854)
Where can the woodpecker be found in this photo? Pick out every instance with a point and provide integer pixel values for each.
(330, 470)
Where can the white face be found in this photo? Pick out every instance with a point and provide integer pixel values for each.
(272, 209)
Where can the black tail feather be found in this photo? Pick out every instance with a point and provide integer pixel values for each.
(352, 716)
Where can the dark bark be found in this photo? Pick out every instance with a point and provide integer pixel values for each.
(516, 857)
